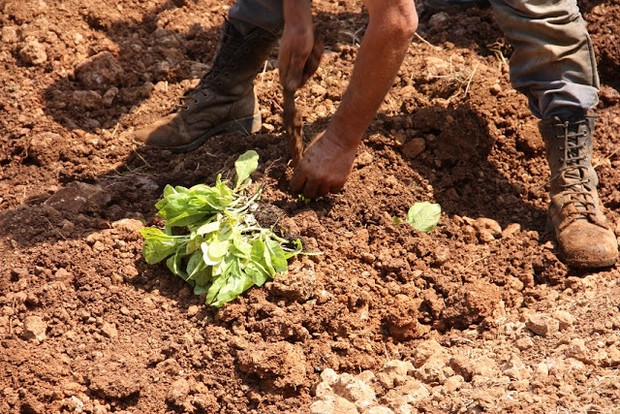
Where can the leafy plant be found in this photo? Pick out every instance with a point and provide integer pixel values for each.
(423, 216)
(212, 240)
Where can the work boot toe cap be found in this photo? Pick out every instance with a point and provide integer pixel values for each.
(159, 134)
(587, 245)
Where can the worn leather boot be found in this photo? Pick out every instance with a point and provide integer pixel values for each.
(223, 101)
(584, 237)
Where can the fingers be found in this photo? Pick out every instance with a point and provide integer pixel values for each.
(313, 61)
(298, 60)
(291, 77)
(312, 188)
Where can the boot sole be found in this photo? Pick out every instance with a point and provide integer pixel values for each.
(246, 126)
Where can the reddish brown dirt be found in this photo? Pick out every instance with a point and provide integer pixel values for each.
(477, 316)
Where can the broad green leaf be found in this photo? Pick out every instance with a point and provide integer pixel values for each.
(278, 258)
(245, 165)
(236, 284)
(424, 216)
(208, 228)
(257, 273)
(207, 257)
(159, 245)
(195, 265)
(168, 190)
(242, 247)
(175, 265)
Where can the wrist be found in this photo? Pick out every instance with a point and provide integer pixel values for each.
(347, 132)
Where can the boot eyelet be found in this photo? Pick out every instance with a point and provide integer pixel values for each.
(186, 108)
(196, 101)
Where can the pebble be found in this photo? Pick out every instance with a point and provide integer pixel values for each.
(364, 159)
(541, 370)
(34, 328)
(33, 52)
(454, 383)
(414, 148)
(109, 330)
(511, 230)
(487, 225)
(193, 310)
(613, 353)
(515, 368)
(524, 343)
(179, 390)
(379, 409)
(542, 324)
(335, 405)
(564, 318)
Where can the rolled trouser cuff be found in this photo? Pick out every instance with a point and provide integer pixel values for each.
(553, 62)
(246, 15)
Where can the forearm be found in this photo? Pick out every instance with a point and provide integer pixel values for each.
(380, 56)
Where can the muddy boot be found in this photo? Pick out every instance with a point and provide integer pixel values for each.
(223, 101)
(584, 237)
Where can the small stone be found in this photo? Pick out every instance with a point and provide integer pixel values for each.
(613, 354)
(516, 369)
(542, 370)
(437, 19)
(565, 319)
(179, 390)
(487, 225)
(100, 72)
(109, 95)
(524, 343)
(355, 390)
(33, 52)
(368, 258)
(318, 90)
(379, 409)
(109, 330)
(511, 230)
(87, 99)
(414, 148)
(394, 372)
(193, 310)
(34, 328)
(454, 383)
(542, 324)
(9, 35)
(577, 349)
(334, 405)
(170, 366)
(364, 159)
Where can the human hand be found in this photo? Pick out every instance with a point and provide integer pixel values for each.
(300, 49)
(325, 166)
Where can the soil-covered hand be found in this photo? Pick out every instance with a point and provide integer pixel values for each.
(325, 166)
(296, 60)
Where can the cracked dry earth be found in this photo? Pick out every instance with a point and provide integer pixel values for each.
(477, 316)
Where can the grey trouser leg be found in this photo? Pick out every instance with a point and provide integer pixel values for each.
(245, 15)
(553, 62)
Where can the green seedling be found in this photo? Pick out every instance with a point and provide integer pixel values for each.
(303, 199)
(423, 216)
(211, 239)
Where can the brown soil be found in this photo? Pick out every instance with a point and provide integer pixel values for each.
(477, 316)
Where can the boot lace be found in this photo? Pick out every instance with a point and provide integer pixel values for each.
(573, 174)
(230, 43)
